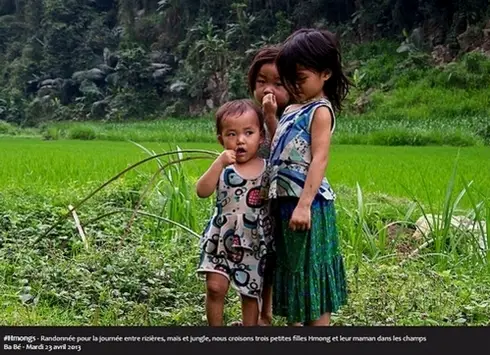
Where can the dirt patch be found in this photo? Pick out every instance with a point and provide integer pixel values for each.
(400, 236)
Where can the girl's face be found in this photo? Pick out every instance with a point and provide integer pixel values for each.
(310, 83)
(268, 82)
(243, 134)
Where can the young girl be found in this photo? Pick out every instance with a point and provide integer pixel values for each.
(265, 86)
(309, 282)
(235, 242)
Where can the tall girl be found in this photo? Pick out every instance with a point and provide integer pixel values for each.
(309, 282)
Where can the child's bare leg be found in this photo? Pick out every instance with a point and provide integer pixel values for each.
(216, 289)
(266, 312)
(323, 321)
(250, 311)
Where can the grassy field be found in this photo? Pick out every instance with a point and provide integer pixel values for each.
(387, 126)
(71, 165)
(145, 275)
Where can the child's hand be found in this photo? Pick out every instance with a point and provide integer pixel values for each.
(300, 219)
(270, 105)
(228, 157)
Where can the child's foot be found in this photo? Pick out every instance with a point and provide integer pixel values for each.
(265, 321)
(262, 322)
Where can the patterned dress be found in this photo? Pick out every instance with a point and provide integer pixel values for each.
(309, 276)
(238, 238)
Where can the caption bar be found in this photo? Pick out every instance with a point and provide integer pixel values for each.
(75, 343)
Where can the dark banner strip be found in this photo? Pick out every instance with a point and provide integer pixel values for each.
(242, 340)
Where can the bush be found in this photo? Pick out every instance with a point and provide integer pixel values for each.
(51, 133)
(484, 132)
(82, 133)
(7, 128)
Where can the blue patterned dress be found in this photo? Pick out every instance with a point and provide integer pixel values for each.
(309, 276)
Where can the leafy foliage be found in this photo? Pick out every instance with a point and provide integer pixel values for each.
(127, 59)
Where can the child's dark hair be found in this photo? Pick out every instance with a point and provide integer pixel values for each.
(318, 51)
(266, 55)
(238, 108)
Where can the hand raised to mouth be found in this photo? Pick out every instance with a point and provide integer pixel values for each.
(269, 104)
(227, 157)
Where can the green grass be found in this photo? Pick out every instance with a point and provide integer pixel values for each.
(388, 295)
(415, 114)
(418, 102)
(165, 130)
(145, 275)
(33, 164)
(389, 124)
(148, 278)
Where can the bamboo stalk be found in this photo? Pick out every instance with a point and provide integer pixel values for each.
(79, 226)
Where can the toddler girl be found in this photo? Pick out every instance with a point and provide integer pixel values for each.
(235, 243)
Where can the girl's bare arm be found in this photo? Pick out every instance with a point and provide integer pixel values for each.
(206, 185)
(271, 123)
(320, 146)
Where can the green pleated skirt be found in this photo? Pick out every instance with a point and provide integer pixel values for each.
(309, 275)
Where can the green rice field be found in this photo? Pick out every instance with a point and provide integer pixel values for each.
(65, 165)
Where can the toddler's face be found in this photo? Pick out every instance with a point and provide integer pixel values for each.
(268, 82)
(242, 134)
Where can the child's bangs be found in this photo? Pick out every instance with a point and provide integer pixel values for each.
(287, 65)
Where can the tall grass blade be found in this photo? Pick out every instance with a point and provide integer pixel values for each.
(448, 207)
(114, 178)
(178, 161)
(149, 152)
(410, 211)
(484, 252)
